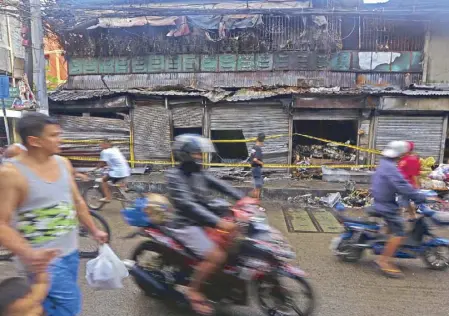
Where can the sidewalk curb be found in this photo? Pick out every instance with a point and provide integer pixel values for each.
(269, 193)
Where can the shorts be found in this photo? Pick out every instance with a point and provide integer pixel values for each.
(64, 296)
(257, 177)
(395, 224)
(114, 180)
(195, 239)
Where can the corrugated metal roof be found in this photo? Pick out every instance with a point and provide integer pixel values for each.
(212, 81)
(75, 95)
(435, 93)
(72, 95)
(251, 94)
(425, 93)
(214, 96)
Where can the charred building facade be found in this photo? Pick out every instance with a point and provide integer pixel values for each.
(339, 70)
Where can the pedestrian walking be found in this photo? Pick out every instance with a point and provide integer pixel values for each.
(256, 159)
(40, 206)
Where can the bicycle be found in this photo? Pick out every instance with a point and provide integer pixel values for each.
(100, 222)
(119, 192)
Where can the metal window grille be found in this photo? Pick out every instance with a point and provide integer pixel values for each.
(382, 34)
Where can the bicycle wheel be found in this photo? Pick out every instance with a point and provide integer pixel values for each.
(88, 247)
(130, 197)
(92, 196)
(5, 254)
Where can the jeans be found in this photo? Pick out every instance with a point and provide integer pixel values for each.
(64, 297)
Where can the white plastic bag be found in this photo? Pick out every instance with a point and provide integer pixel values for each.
(106, 271)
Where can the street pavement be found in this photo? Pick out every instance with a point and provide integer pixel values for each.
(343, 289)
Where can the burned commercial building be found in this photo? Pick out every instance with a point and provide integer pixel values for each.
(229, 71)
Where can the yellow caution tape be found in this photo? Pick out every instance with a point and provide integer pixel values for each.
(369, 150)
(231, 165)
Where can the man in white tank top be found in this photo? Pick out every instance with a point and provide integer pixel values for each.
(40, 206)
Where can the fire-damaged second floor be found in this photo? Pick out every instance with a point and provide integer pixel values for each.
(265, 49)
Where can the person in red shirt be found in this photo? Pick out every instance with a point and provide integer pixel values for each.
(410, 168)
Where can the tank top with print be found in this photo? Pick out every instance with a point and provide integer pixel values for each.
(47, 217)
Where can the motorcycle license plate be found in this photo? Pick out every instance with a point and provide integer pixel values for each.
(335, 243)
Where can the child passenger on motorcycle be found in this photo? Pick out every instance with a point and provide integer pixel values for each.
(188, 188)
(387, 183)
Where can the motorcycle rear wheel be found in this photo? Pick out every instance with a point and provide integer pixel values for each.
(284, 296)
(347, 253)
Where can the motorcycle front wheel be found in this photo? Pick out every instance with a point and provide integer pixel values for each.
(437, 258)
(276, 296)
(149, 258)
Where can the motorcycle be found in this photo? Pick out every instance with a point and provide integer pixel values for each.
(360, 235)
(258, 257)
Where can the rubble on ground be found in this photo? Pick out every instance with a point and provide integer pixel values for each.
(306, 173)
(352, 198)
(305, 155)
(327, 151)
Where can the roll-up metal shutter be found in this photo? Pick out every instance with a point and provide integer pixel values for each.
(187, 115)
(151, 130)
(335, 115)
(425, 131)
(252, 120)
(88, 131)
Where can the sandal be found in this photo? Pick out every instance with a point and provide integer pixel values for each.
(200, 306)
(393, 273)
(205, 310)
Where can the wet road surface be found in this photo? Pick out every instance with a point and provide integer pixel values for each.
(343, 289)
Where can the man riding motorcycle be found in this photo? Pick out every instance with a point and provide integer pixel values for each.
(188, 190)
(387, 183)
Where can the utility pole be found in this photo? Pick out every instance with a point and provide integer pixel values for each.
(27, 43)
(39, 63)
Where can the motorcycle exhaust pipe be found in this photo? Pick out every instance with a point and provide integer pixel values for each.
(143, 276)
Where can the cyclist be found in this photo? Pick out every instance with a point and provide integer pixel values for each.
(119, 168)
(386, 184)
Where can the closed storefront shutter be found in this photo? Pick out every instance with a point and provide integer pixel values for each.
(151, 130)
(425, 131)
(270, 119)
(187, 115)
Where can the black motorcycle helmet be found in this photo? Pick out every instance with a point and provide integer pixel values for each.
(186, 145)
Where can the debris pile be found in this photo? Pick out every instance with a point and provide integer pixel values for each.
(306, 200)
(327, 151)
(305, 173)
(352, 198)
(357, 198)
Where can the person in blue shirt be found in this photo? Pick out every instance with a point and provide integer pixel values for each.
(387, 183)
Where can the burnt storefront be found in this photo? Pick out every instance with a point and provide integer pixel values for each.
(343, 119)
(244, 120)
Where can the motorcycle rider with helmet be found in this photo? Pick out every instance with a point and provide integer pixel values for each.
(188, 189)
